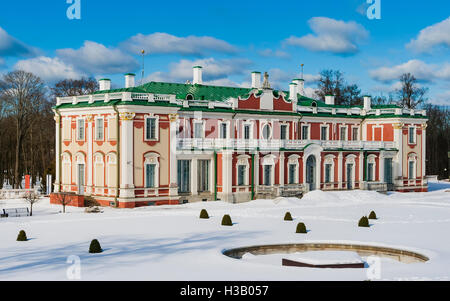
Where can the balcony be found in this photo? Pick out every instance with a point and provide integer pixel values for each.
(276, 145)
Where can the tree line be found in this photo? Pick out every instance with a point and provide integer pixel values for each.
(27, 126)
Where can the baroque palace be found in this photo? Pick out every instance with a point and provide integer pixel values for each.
(168, 143)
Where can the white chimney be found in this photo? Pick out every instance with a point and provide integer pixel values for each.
(198, 78)
(300, 86)
(104, 84)
(293, 91)
(329, 100)
(367, 103)
(256, 80)
(129, 80)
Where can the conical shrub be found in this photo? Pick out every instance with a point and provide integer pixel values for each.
(95, 247)
(372, 215)
(22, 236)
(363, 222)
(301, 228)
(204, 214)
(226, 220)
(288, 216)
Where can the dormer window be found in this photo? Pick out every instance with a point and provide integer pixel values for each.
(189, 97)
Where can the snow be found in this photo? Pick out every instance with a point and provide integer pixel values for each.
(172, 243)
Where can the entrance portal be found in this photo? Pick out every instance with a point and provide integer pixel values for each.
(311, 172)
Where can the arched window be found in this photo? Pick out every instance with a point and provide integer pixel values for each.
(293, 169)
(242, 170)
(99, 174)
(329, 169)
(371, 167)
(111, 172)
(189, 97)
(412, 166)
(66, 168)
(268, 165)
(266, 131)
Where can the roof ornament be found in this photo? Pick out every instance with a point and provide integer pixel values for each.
(266, 84)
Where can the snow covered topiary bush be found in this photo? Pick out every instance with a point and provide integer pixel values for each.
(288, 216)
(372, 215)
(363, 222)
(301, 228)
(95, 247)
(22, 236)
(226, 220)
(204, 214)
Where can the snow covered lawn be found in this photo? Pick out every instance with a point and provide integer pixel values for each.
(172, 243)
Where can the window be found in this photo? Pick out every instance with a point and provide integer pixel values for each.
(412, 136)
(305, 134)
(283, 131)
(266, 131)
(223, 130)
(150, 128)
(184, 171)
(323, 133)
(150, 175)
(246, 131)
(292, 172)
(241, 175)
(328, 173)
(80, 129)
(370, 170)
(203, 175)
(99, 129)
(198, 130)
(267, 175)
(343, 133)
(412, 170)
(355, 134)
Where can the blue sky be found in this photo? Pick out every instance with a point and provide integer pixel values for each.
(231, 39)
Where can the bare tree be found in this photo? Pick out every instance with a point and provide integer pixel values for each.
(410, 95)
(332, 82)
(31, 198)
(75, 87)
(64, 199)
(22, 94)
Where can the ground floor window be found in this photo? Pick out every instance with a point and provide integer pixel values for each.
(241, 175)
(268, 175)
(203, 175)
(412, 170)
(184, 176)
(370, 171)
(150, 174)
(328, 173)
(292, 172)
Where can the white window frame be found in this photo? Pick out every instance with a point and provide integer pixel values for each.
(413, 159)
(293, 160)
(151, 159)
(329, 159)
(156, 117)
(340, 132)
(269, 160)
(227, 123)
(78, 130)
(249, 123)
(194, 123)
(371, 159)
(327, 127)
(242, 160)
(350, 159)
(103, 128)
(414, 135)
(373, 131)
(357, 134)
(286, 124)
(270, 127)
(309, 131)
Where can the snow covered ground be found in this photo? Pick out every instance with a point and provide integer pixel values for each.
(172, 243)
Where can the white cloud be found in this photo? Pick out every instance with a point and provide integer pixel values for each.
(95, 58)
(274, 53)
(164, 43)
(330, 35)
(49, 69)
(212, 70)
(10, 46)
(421, 70)
(441, 98)
(432, 37)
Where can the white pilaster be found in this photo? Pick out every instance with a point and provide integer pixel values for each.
(227, 177)
(57, 187)
(89, 156)
(173, 164)
(361, 170)
(318, 172)
(194, 176)
(423, 154)
(127, 156)
(381, 168)
(340, 171)
(281, 162)
(256, 171)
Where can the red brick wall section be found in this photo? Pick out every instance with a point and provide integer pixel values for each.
(75, 200)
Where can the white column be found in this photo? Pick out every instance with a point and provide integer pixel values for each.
(227, 177)
(381, 166)
(398, 161)
(126, 157)
(423, 154)
(256, 172)
(173, 164)
(194, 176)
(340, 171)
(281, 162)
(89, 159)
(361, 170)
(58, 154)
(318, 172)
